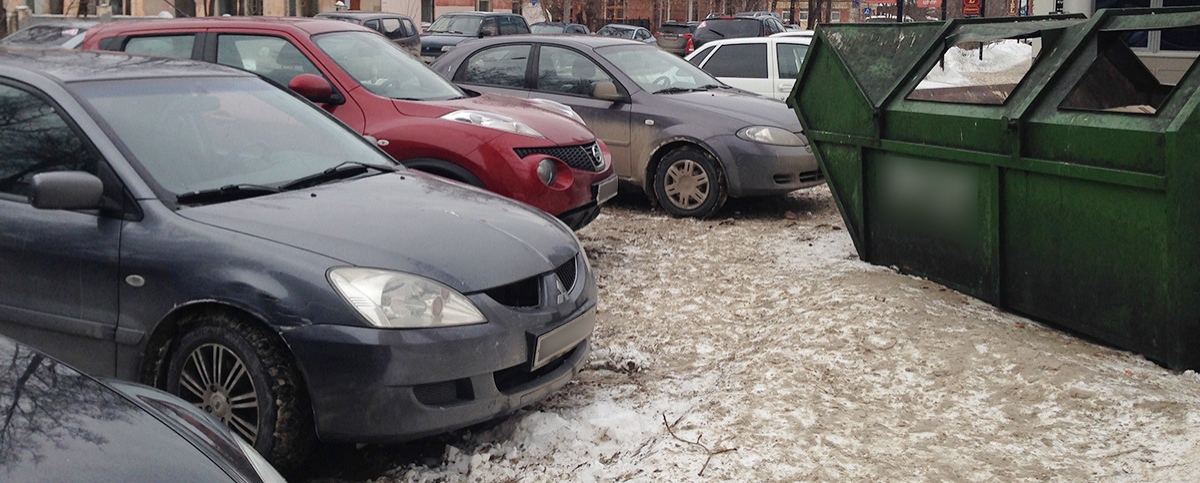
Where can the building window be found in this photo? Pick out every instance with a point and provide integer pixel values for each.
(483, 5)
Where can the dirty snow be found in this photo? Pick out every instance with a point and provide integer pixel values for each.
(764, 343)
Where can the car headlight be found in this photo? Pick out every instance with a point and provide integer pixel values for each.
(771, 135)
(265, 471)
(400, 300)
(494, 121)
(558, 106)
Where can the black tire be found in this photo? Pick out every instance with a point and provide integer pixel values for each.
(688, 183)
(281, 415)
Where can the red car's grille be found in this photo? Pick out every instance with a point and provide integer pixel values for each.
(586, 157)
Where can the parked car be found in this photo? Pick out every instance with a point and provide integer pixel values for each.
(676, 37)
(796, 33)
(535, 152)
(631, 32)
(196, 228)
(452, 28)
(766, 66)
(62, 425)
(54, 34)
(680, 135)
(718, 28)
(399, 28)
(759, 13)
(547, 28)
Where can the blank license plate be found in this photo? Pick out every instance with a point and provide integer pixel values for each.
(606, 189)
(562, 339)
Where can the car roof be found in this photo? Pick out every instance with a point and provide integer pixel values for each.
(575, 40)
(479, 14)
(760, 40)
(69, 66)
(359, 14)
(622, 26)
(306, 24)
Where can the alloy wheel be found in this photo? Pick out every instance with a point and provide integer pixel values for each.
(216, 380)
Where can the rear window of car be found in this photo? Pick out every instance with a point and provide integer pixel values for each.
(45, 35)
(729, 28)
(675, 29)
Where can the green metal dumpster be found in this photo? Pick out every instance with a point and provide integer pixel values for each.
(1066, 189)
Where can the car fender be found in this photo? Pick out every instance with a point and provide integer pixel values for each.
(668, 140)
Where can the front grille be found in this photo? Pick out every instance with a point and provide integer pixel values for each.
(522, 293)
(443, 393)
(586, 157)
(566, 274)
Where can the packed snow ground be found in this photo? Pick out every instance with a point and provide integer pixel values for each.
(761, 336)
(1003, 62)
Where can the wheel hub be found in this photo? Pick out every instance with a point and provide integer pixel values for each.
(216, 402)
(686, 184)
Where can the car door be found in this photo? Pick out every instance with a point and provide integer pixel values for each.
(501, 68)
(568, 76)
(58, 268)
(743, 66)
(789, 57)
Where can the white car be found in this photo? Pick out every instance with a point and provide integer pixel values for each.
(766, 66)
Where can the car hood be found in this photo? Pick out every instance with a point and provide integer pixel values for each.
(466, 238)
(78, 428)
(437, 41)
(556, 127)
(750, 109)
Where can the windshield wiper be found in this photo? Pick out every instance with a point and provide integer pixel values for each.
(706, 87)
(673, 90)
(716, 32)
(228, 192)
(346, 169)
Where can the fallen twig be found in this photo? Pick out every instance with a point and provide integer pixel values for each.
(710, 452)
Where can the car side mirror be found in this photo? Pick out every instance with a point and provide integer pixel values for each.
(486, 33)
(66, 190)
(313, 87)
(607, 91)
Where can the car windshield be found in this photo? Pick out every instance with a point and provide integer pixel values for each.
(547, 29)
(655, 70)
(616, 32)
(456, 25)
(384, 68)
(202, 133)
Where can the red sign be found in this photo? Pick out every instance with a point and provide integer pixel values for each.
(971, 7)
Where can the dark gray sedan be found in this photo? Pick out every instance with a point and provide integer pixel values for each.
(193, 227)
(675, 132)
(399, 28)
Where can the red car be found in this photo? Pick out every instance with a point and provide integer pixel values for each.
(535, 151)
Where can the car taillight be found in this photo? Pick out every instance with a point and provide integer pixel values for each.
(687, 36)
(690, 46)
(658, 34)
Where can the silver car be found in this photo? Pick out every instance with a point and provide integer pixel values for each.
(675, 132)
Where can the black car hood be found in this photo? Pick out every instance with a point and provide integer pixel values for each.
(437, 41)
(750, 109)
(74, 428)
(466, 238)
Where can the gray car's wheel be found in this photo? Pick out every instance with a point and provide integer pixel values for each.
(242, 375)
(688, 183)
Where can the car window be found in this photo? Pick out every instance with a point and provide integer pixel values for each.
(739, 60)
(489, 28)
(36, 139)
(271, 57)
(384, 68)
(790, 57)
(391, 27)
(498, 66)
(373, 25)
(697, 59)
(568, 72)
(510, 26)
(409, 28)
(178, 46)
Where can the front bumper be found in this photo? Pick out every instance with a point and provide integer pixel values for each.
(756, 169)
(372, 385)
